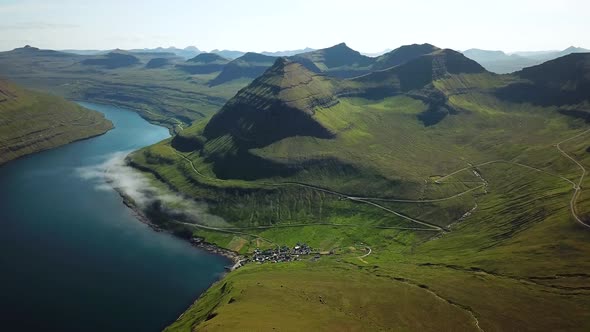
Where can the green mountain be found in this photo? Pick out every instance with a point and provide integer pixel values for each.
(31, 122)
(204, 63)
(158, 90)
(560, 82)
(112, 60)
(157, 63)
(249, 65)
(418, 217)
(270, 108)
(402, 55)
(338, 61)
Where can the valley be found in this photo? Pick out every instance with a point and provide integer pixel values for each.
(442, 196)
(459, 188)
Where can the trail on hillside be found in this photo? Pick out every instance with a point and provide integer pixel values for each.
(578, 186)
(429, 226)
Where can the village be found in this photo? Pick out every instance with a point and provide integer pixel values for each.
(282, 254)
(275, 255)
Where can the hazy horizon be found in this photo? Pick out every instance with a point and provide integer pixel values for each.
(267, 26)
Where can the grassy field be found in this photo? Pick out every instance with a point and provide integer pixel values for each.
(510, 255)
(32, 121)
(167, 95)
(447, 207)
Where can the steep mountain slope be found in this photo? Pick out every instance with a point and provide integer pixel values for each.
(32, 122)
(249, 65)
(559, 82)
(486, 203)
(338, 61)
(415, 78)
(279, 104)
(402, 55)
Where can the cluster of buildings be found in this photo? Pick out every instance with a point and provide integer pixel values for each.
(281, 254)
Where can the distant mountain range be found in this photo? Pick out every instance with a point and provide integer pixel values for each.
(494, 61)
(187, 52)
(502, 63)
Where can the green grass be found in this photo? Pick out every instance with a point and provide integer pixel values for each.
(497, 264)
(32, 121)
(167, 96)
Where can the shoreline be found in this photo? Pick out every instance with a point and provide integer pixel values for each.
(201, 244)
(84, 138)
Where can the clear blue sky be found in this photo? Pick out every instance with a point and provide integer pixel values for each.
(270, 25)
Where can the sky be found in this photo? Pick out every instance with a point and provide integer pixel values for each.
(273, 25)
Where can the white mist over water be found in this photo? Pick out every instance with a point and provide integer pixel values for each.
(114, 173)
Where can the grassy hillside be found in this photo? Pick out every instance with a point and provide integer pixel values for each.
(160, 92)
(32, 122)
(249, 65)
(165, 88)
(469, 223)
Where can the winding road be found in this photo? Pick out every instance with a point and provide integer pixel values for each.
(578, 186)
(429, 226)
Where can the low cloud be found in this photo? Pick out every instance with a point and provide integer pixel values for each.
(115, 173)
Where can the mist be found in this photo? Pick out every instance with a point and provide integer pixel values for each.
(115, 174)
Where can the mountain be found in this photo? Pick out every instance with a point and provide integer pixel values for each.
(502, 63)
(338, 61)
(84, 52)
(416, 77)
(30, 51)
(427, 181)
(416, 74)
(204, 63)
(402, 55)
(32, 121)
(157, 63)
(228, 54)
(249, 65)
(559, 82)
(112, 60)
(498, 61)
(168, 96)
(570, 50)
(208, 58)
(269, 109)
(288, 53)
(186, 53)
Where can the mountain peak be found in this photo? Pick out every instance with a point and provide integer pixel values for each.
(340, 45)
(253, 56)
(271, 107)
(402, 55)
(27, 48)
(207, 58)
(338, 60)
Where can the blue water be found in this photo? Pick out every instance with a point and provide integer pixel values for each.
(74, 258)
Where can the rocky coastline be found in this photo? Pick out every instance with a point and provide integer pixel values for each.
(196, 242)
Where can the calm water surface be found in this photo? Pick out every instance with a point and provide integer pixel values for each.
(74, 258)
